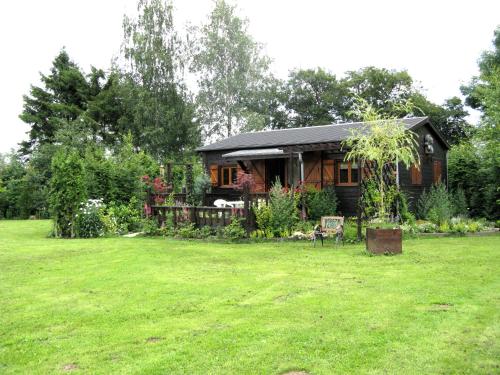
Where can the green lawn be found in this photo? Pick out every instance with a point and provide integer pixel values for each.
(156, 306)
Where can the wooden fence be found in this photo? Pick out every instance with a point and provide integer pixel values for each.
(200, 216)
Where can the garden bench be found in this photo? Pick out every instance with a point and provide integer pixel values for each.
(330, 226)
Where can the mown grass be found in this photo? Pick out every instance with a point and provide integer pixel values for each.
(157, 306)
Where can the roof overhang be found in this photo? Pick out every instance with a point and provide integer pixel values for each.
(260, 153)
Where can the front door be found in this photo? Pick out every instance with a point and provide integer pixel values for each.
(275, 169)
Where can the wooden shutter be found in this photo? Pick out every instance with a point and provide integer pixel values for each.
(312, 173)
(437, 171)
(328, 172)
(416, 175)
(214, 174)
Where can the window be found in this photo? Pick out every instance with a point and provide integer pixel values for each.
(416, 174)
(347, 173)
(229, 176)
(437, 171)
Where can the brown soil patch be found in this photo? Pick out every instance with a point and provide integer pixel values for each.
(70, 367)
(441, 306)
(153, 339)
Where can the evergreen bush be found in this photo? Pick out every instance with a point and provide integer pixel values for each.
(321, 202)
(67, 192)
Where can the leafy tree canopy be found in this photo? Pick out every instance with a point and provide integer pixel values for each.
(231, 71)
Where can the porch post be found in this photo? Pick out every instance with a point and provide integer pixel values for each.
(361, 166)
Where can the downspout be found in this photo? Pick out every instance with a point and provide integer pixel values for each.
(304, 216)
(301, 167)
(446, 157)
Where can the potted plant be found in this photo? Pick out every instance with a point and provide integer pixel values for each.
(384, 141)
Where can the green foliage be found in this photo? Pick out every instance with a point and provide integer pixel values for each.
(150, 227)
(61, 100)
(67, 192)
(474, 167)
(161, 113)
(279, 216)
(231, 71)
(435, 205)
(187, 230)
(399, 203)
(479, 175)
(386, 142)
(202, 185)
(89, 221)
(235, 231)
(315, 97)
(127, 217)
(283, 209)
(263, 218)
(303, 226)
(321, 202)
(459, 203)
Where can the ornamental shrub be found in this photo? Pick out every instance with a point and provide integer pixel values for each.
(435, 205)
(89, 222)
(126, 216)
(235, 230)
(201, 185)
(321, 202)
(459, 203)
(283, 209)
(67, 191)
(263, 216)
(187, 230)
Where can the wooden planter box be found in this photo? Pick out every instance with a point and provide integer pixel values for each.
(383, 241)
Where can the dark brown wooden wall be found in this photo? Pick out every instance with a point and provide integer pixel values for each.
(319, 166)
(426, 165)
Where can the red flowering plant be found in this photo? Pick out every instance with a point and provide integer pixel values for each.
(155, 190)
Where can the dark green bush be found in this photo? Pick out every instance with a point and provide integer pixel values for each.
(187, 230)
(283, 209)
(235, 230)
(435, 205)
(321, 202)
(67, 192)
(127, 217)
(459, 203)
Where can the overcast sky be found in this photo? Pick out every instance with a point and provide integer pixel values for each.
(438, 42)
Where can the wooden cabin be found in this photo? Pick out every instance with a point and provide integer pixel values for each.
(315, 156)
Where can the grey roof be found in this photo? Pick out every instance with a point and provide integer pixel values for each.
(297, 136)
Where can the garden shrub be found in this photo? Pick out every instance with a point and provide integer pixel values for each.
(206, 232)
(400, 205)
(283, 209)
(435, 205)
(187, 230)
(320, 202)
(89, 222)
(303, 227)
(459, 203)
(263, 217)
(150, 227)
(67, 192)
(234, 231)
(201, 185)
(126, 216)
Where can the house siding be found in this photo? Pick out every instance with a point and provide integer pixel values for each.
(315, 174)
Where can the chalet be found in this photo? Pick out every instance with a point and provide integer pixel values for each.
(314, 155)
